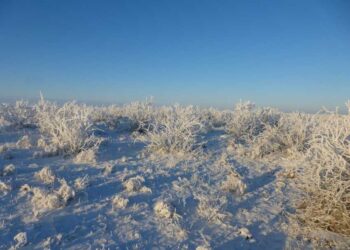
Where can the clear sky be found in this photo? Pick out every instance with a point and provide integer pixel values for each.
(290, 54)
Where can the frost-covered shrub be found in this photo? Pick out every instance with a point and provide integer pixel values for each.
(290, 136)
(234, 184)
(327, 181)
(3, 148)
(86, 157)
(164, 209)
(173, 130)
(65, 192)
(213, 118)
(8, 170)
(139, 114)
(81, 183)
(67, 129)
(24, 190)
(44, 201)
(21, 240)
(109, 115)
(348, 106)
(210, 208)
(119, 202)
(247, 121)
(134, 184)
(46, 175)
(19, 115)
(4, 188)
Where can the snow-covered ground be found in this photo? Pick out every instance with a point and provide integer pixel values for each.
(201, 212)
(131, 198)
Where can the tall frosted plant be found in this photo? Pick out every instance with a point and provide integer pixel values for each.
(247, 121)
(173, 130)
(328, 179)
(67, 129)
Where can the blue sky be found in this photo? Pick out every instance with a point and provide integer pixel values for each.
(289, 54)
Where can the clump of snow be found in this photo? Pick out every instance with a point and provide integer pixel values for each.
(24, 189)
(145, 190)
(52, 242)
(21, 240)
(108, 169)
(3, 148)
(164, 209)
(4, 188)
(8, 170)
(245, 233)
(119, 202)
(234, 184)
(46, 175)
(81, 183)
(123, 159)
(134, 184)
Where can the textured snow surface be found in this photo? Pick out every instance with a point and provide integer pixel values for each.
(129, 200)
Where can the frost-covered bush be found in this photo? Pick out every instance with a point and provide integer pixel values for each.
(247, 121)
(44, 201)
(327, 181)
(132, 116)
(164, 209)
(65, 192)
(109, 115)
(86, 157)
(8, 170)
(67, 129)
(4, 188)
(173, 130)
(213, 118)
(46, 175)
(21, 240)
(290, 136)
(81, 183)
(134, 184)
(210, 208)
(119, 202)
(139, 114)
(234, 184)
(19, 115)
